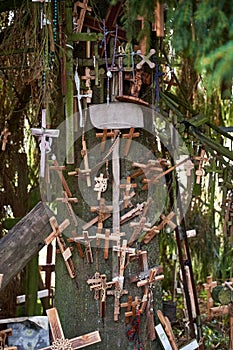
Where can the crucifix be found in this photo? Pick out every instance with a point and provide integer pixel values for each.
(208, 286)
(86, 240)
(100, 286)
(117, 293)
(83, 9)
(123, 251)
(45, 137)
(68, 200)
(128, 195)
(102, 210)
(166, 220)
(58, 339)
(200, 171)
(5, 137)
(59, 168)
(57, 234)
(142, 224)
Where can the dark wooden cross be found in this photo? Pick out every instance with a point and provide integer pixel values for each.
(200, 171)
(100, 286)
(5, 137)
(142, 224)
(83, 9)
(57, 234)
(132, 306)
(117, 293)
(127, 195)
(58, 339)
(129, 138)
(102, 211)
(48, 268)
(68, 200)
(166, 220)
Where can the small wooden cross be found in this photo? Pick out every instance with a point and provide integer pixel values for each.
(83, 9)
(100, 185)
(129, 136)
(57, 234)
(104, 136)
(132, 213)
(146, 59)
(117, 293)
(132, 307)
(5, 137)
(58, 337)
(123, 251)
(102, 210)
(100, 285)
(86, 239)
(107, 238)
(3, 336)
(88, 77)
(68, 200)
(151, 166)
(166, 220)
(128, 186)
(59, 168)
(200, 171)
(142, 224)
(208, 286)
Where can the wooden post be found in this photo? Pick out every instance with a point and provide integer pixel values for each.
(58, 337)
(23, 242)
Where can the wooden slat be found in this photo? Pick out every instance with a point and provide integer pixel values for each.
(55, 324)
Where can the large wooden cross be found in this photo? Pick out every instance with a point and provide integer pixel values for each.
(58, 338)
(57, 234)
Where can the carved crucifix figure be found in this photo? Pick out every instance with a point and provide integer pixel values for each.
(57, 234)
(117, 293)
(68, 202)
(58, 339)
(100, 286)
(5, 137)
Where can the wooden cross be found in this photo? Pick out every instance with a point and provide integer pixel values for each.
(200, 171)
(123, 251)
(4, 137)
(166, 220)
(84, 8)
(68, 200)
(132, 307)
(142, 224)
(188, 166)
(117, 293)
(132, 213)
(146, 59)
(102, 210)
(59, 170)
(208, 286)
(100, 285)
(79, 97)
(128, 186)
(45, 136)
(88, 77)
(87, 170)
(107, 238)
(151, 166)
(86, 239)
(58, 337)
(129, 136)
(57, 234)
(3, 335)
(104, 136)
(49, 268)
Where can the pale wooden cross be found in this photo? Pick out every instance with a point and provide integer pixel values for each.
(68, 202)
(166, 220)
(59, 168)
(4, 137)
(83, 9)
(127, 195)
(45, 136)
(129, 136)
(208, 286)
(123, 251)
(200, 171)
(142, 224)
(151, 166)
(57, 234)
(146, 59)
(88, 77)
(104, 136)
(100, 285)
(85, 239)
(102, 210)
(58, 338)
(117, 293)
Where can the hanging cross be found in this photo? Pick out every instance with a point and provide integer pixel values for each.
(100, 185)
(102, 210)
(142, 224)
(208, 286)
(100, 285)
(128, 195)
(83, 9)
(104, 136)
(200, 171)
(68, 200)
(132, 307)
(59, 170)
(107, 238)
(188, 166)
(58, 338)
(117, 293)
(45, 136)
(132, 213)
(85, 240)
(5, 137)
(145, 59)
(79, 97)
(88, 77)
(156, 229)
(129, 136)
(151, 166)
(123, 251)
(57, 234)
